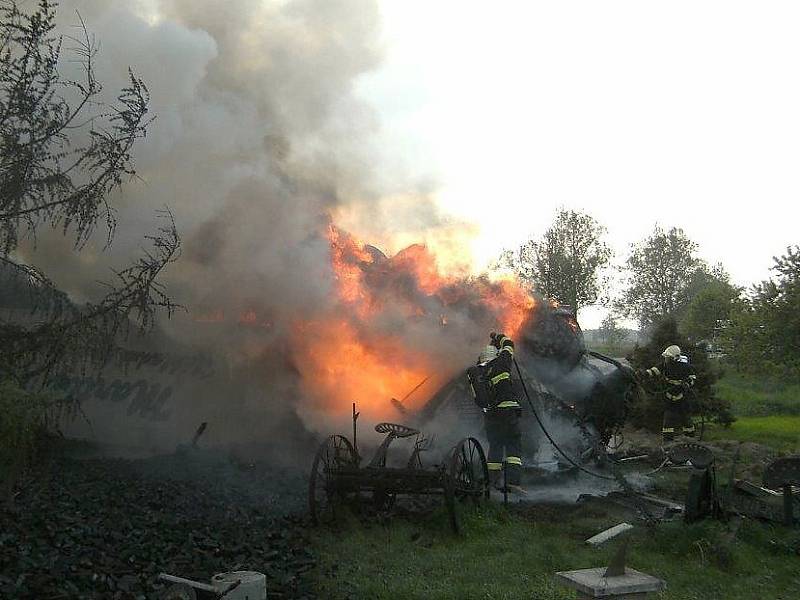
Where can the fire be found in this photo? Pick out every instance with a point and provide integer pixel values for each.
(216, 316)
(395, 321)
(347, 256)
(248, 317)
(512, 303)
(421, 264)
(339, 368)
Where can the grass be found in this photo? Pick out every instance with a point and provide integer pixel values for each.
(752, 397)
(767, 412)
(509, 555)
(504, 555)
(780, 432)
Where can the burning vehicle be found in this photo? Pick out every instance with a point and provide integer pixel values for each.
(578, 398)
(394, 335)
(404, 335)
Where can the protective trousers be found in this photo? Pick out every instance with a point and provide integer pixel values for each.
(676, 419)
(503, 432)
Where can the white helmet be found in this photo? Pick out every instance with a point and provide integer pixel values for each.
(671, 352)
(489, 353)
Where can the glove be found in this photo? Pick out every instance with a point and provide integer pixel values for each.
(496, 338)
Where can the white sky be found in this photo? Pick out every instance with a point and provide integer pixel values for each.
(682, 113)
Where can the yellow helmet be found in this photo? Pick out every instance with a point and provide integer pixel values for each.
(671, 352)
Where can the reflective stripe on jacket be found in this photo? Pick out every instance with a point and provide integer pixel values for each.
(678, 376)
(500, 376)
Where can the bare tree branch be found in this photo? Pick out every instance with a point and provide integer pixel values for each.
(62, 153)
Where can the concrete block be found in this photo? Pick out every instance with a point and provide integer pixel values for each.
(592, 583)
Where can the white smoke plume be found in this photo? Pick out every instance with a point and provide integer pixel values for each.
(260, 137)
(258, 134)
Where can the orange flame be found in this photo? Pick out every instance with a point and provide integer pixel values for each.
(347, 256)
(338, 368)
(349, 353)
(216, 316)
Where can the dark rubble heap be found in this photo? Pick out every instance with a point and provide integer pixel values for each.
(105, 528)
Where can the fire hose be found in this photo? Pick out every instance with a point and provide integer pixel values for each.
(549, 437)
(616, 476)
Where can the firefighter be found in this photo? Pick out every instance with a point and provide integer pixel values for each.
(502, 416)
(679, 377)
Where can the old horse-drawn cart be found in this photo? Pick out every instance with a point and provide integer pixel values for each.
(338, 477)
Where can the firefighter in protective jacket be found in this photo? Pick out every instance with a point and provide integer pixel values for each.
(679, 377)
(502, 415)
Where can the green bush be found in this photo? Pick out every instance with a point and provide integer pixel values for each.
(763, 334)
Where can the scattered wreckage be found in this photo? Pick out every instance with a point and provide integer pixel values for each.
(777, 499)
(566, 386)
(563, 383)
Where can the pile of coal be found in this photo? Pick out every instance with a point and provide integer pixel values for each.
(105, 528)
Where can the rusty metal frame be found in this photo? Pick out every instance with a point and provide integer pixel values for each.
(337, 474)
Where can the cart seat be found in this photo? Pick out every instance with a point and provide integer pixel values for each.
(400, 431)
(699, 456)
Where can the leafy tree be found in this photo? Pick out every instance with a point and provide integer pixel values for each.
(709, 306)
(507, 261)
(63, 151)
(764, 331)
(610, 332)
(566, 263)
(704, 400)
(662, 269)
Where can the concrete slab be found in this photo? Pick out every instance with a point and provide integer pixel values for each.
(593, 584)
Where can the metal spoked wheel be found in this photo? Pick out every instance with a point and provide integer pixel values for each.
(325, 489)
(467, 476)
(469, 470)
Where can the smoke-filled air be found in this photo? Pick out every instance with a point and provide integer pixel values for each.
(398, 299)
(267, 158)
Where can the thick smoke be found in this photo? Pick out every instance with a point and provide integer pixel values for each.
(259, 136)
(260, 141)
